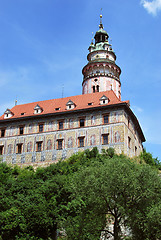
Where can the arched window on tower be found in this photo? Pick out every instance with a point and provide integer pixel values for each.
(94, 90)
(97, 88)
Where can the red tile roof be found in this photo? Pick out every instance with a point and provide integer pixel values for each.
(49, 106)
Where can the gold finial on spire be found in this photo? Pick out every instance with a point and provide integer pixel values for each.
(101, 25)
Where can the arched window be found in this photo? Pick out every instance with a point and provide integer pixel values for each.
(49, 145)
(97, 88)
(94, 89)
(29, 146)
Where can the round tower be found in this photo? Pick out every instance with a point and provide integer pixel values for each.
(101, 73)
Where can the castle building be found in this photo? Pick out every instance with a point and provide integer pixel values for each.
(43, 132)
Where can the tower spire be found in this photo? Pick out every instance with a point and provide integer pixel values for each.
(101, 72)
(101, 25)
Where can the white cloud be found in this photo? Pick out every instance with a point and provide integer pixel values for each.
(152, 7)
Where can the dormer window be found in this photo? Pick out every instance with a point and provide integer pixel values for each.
(90, 103)
(104, 100)
(57, 109)
(8, 113)
(37, 109)
(70, 105)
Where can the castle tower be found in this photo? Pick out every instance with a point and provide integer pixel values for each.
(101, 72)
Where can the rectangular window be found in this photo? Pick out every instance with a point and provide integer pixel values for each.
(128, 122)
(82, 122)
(81, 141)
(21, 130)
(1, 150)
(105, 139)
(129, 142)
(3, 132)
(60, 144)
(39, 146)
(19, 148)
(135, 151)
(106, 119)
(60, 125)
(41, 127)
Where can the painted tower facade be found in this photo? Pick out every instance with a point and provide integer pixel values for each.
(101, 72)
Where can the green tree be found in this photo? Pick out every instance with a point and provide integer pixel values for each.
(118, 190)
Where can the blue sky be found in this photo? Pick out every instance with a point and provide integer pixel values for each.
(44, 44)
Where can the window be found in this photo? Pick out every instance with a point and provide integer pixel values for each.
(128, 123)
(37, 109)
(135, 151)
(57, 109)
(129, 142)
(60, 125)
(19, 148)
(106, 119)
(94, 89)
(97, 88)
(41, 127)
(60, 144)
(2, 132)
(104, 100)
(81, 141)
(82, 122)
(22, 114)
(1, 150)
(39, 146)
(8, 113)
(21, 130)
(90, 103)
(105, 139)
(70, 105)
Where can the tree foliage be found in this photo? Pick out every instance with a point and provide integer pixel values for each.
(81, 197)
